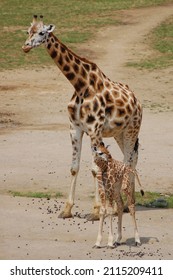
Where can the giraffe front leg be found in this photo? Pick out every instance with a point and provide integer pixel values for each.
(120, 207)
(131, 159)
(94, 216)
(110, 212)
(76, 139)
(128, 191)
(132, 213)
(100, 230)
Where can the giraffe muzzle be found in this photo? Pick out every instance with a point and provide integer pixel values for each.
(26, 48)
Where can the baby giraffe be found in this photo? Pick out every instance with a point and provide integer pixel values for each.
(113, 178)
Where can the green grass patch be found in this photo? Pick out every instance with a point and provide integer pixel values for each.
(161, 41)
(47, 195)
(154, 200)
(76, 21)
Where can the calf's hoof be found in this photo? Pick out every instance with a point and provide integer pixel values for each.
(96, 246)
(116, 244)
(111, 246)
(138, 244)
(65, 215)
(93, 217)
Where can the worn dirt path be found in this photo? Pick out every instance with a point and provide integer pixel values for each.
(36, 152)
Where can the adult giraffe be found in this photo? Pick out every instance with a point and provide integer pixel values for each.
(99, 107)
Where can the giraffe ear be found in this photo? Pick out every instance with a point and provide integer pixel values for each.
(102, 144)
(107, 146)
(50, 28)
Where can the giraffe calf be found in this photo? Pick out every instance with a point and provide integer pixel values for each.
(113, 177)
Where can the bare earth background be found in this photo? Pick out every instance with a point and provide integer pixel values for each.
(36, 152)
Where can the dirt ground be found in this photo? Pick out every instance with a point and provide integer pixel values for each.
(36, 152)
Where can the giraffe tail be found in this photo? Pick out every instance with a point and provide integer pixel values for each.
(137, 177)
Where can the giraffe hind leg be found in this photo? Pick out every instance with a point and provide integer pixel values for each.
(100, 229)
(132, 213)
(120, 207)
(126, 188)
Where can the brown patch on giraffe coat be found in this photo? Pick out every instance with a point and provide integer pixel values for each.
(107, 84)
(77, 99)
(108, 97)
(124, 99)
(79, 84)
(87, 94)
(100, 112)
(101, 99)
(60, 60)
(115, 93)
(99, 86)
(86, 66)
(87, 107)
(76, 68)
(93, 79)
(135, 112)
(119, 103)
(66, 68)
(129, 109)
(53, 54)
(49, 46)
(101, 116)
(120, 112)
(83, 73)
(93, 66)
(109, 110)
(72, 111)
(125, 93)
(70, 76)
(95, 105)
(63, 49)
(67, 58)
(77, 60)
(70, 56)
(132, 102)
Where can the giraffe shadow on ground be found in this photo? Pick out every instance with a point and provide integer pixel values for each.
(144, 240)
(141, 208)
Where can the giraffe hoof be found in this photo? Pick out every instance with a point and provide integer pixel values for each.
(65, 215)
(93, 217)
(96, 247)
(111, 246)
(138, 244)
(116, 244)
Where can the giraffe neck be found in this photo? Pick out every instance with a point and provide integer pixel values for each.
(80, 72)
(102, 164)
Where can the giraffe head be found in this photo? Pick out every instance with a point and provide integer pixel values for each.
(101, 155)
(38, 33)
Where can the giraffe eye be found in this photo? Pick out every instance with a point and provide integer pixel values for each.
(100, 154)
(41, 33)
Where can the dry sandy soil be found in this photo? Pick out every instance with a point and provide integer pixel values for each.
(36, 152)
